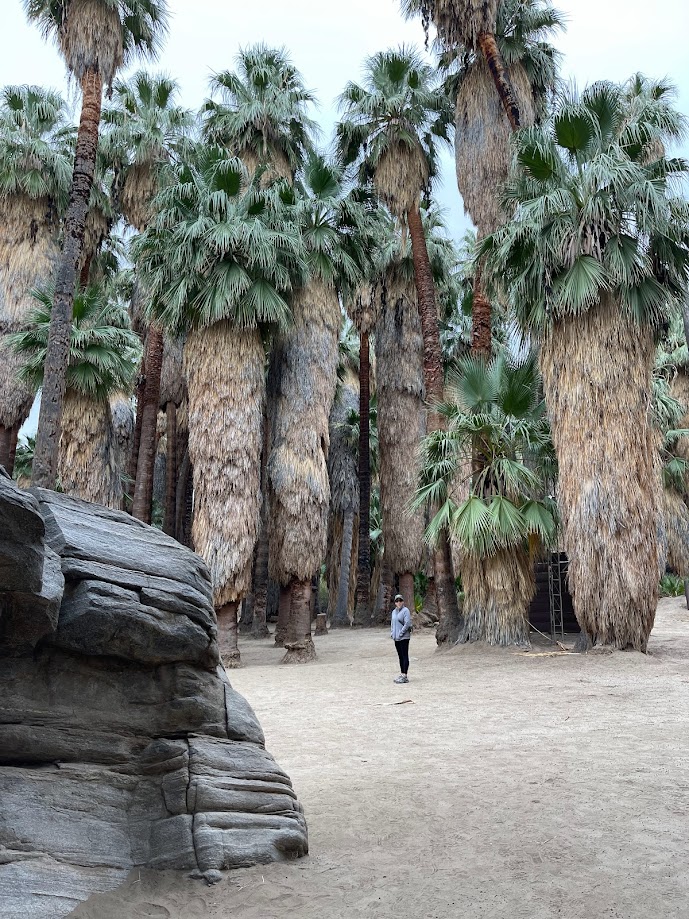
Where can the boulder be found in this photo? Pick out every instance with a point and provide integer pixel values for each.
(122, 742)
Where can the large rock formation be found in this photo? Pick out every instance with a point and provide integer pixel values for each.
(122, 743)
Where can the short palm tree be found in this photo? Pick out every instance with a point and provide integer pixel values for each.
(34, 183)
(103, 358)
(390, 128)
(144, 127)
(261, 114)
(594, 260)
(96, 38)
(218, 262)
(505, 514)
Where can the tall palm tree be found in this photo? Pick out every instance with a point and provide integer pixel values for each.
(143, 128)
(505, 515)
(482, 133)
(218, 262)
(593, 261)
(103, 357)
(34, 182)
(96, 38)
(308, 350)
(390, 126)
(472, 25)
(262, 113)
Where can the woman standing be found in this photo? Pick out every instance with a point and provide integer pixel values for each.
(400, 632)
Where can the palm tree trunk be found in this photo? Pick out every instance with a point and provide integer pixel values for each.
(143, 486)
(171, 470)
(362, 608)
(496, 65)
(284, 615)
(181, 496)
(227, 635)
(300, 646)
(5, 440)
(498, 591)
(14, 437)
(136, 438)
(341, 617)
(448, 609)
(259, 627)
(407, 589)
(597, 380)
(481, 321)
(88, 462)
(44, 469)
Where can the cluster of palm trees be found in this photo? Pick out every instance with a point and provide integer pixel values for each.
(212, 269)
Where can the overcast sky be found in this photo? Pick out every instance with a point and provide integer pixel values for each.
(605, 39)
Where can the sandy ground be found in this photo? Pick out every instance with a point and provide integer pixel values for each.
(510, 785)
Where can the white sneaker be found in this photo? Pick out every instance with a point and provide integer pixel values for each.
(401, 679)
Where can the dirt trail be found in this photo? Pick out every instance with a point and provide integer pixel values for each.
(512, 786)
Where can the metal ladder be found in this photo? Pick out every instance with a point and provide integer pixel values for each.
(557, 623)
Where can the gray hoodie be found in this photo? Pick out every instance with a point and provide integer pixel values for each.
(400, 624)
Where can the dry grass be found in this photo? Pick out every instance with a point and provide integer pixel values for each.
(401, 425)
(498, 590)
(28, 253)
(482, 141)
(226, 381)
(597, 376)
(89, 462)
(676, 517)
(297, 465)
(137, 193)
(91, 39)
(401, 174)
(462, 21)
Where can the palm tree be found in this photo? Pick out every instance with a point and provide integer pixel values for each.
(261, 115)
(472, 25)
(505, 514)
(308, 357)
(144, 127)
(34, 181)
(390, 127)
(593, 261)
(218, 262)
(482, 133)
(104, 353)
(96, 38)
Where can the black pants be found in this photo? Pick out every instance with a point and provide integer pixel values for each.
(403, 654)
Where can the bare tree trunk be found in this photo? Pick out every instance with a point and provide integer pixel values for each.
(14, 437)
(136, 437)
(171, 470)
(385, 592)
(300, 646)
(227, 635)
(284, 607)
(341, 617)
(362, 608)
(448, 608)
(143, 487)
(496, 65)
(44, 470)
(5, 440)
(259, 627)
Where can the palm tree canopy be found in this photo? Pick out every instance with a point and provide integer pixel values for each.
(101, 35)
(218, 249)
(595, 209)
(497, 409)
(144, 128)
(392, 124)
(104, 351)
(262, 110)
(35, 151)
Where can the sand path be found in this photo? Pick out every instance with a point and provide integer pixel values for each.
(511, 785)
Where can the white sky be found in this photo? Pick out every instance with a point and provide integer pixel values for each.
(605, 39)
